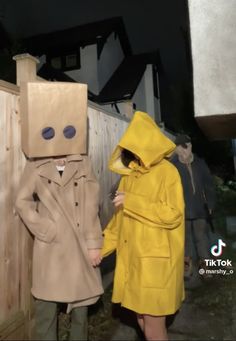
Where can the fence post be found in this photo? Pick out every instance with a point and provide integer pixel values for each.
(25, 68)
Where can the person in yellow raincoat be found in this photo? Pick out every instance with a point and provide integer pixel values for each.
(147, 229)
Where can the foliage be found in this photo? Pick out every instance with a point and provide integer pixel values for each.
(226, 197)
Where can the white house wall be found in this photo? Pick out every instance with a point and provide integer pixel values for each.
(157, 108)
(88, 73)
(96, 72)
(143, 98)
(144, 95)
(111, 57)
(139, 98)
(149, 90)
(213, 42)
(157, 101)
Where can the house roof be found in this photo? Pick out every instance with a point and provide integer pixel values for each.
(122, 84)
(69, 40)
(125, 80)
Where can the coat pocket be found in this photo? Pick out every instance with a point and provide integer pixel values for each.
(155, 243)
(155, 272)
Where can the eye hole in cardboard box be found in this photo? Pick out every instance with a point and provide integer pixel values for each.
(48, 133)
(69, 132)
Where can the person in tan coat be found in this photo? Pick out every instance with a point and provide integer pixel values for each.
(58, 202)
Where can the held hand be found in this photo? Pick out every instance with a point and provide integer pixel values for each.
(119, 199)
(95, 256)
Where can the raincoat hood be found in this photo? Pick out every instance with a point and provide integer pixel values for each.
(145, 139)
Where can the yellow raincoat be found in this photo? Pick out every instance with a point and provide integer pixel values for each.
(147, 232)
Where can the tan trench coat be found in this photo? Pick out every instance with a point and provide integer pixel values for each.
(64, 221)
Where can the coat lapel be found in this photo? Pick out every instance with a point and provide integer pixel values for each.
(70, 170)
(47, 169)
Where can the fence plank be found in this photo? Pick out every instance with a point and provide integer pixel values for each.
(11, 163)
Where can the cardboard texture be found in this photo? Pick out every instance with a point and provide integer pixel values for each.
(53, 118)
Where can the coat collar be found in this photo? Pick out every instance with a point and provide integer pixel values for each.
(47, 169)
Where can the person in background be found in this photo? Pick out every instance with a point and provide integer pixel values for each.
(199, 195)
(147, 228)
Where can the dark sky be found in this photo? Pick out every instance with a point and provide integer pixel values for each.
(150, 24)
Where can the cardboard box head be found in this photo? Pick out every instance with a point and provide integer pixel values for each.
(53, 118)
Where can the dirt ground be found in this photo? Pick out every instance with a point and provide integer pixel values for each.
(208, 313)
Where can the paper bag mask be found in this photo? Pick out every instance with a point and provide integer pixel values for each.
(53, 118)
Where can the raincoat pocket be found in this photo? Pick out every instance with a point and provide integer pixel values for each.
(155, 272)
(155, 243)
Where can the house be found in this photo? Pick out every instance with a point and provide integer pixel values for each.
(213, 45)
(100, 55)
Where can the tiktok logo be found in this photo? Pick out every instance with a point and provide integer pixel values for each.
(217, 250)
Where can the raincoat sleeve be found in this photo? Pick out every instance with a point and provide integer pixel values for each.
(93, 232)
(166, 212)
(42, 228)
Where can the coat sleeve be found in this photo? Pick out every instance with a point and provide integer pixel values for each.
(110, 237)
(42, 228)
(93, 232)
(112, 229)
(209, 188)
(166, 212)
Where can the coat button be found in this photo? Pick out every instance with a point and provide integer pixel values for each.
(125, 241)
(76, 183)
(77, 224)
(76, 203)
(49, 181)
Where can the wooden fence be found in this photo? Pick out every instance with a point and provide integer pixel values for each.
(105, 131)
(16, 243)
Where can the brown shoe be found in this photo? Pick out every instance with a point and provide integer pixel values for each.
(188, 267)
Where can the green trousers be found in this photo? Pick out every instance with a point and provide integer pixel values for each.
(46, 322)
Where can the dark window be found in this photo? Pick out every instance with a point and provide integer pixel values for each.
(71, 61)
(56, 63)
(65, 61)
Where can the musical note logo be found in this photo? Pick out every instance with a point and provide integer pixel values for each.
(217, 250)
